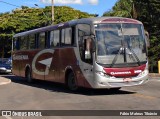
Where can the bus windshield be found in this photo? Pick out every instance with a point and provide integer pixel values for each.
(119, 44)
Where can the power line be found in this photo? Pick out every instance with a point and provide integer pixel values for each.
(9, 3)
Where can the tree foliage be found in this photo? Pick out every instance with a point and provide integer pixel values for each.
(26, 18)
(146, 11)
(122, 8)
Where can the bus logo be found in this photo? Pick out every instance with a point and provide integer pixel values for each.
(120, 73)
(47, 62)
(137, 71)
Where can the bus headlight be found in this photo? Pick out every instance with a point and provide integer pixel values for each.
(142, 73)
(102, 73)
(145, 71)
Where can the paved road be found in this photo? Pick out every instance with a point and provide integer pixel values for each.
(20, 95)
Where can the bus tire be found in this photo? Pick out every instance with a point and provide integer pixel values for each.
(71, 82)
(28, 76)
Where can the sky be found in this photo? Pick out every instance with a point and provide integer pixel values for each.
(89, 6)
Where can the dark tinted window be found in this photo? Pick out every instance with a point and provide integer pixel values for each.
(41, 40)
(23, 43)
(32, 41)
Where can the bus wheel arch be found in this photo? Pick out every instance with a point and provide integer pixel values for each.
(28, 74)
(70, 80)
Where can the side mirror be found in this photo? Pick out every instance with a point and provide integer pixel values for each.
(93, 45)
(147, 39)
(87, 55)
(90, 47)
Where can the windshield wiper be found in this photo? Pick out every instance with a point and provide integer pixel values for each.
(138, 61)
(116, 57)
(119, 52)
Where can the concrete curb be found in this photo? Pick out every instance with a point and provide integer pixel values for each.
(4, 81)
(156, 75)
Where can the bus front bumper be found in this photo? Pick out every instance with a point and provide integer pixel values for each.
(113, 82)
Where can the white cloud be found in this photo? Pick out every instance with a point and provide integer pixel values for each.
(63, 1)
(93, 2)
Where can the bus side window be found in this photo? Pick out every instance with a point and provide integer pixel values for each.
(16, 45)
(66, 37)
(51, 39)
(41, 40)
(73, 42)
(54, 38)
(32, 41)
(23, 43)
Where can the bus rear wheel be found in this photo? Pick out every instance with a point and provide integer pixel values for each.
(71, 82)
(28, 76)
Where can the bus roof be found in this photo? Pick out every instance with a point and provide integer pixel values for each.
(93, 20)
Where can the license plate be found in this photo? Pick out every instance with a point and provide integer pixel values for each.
(127, 79)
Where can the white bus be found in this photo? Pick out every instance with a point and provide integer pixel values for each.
(101, 52)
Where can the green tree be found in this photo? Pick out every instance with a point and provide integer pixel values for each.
(122, 8)
(149, 14)
(26, 18)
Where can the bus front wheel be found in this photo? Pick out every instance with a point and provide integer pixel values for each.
(28, 76)
(71, 82)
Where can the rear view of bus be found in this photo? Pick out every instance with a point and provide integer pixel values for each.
(121, 53)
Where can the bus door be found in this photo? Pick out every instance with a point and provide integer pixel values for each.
(85, 49)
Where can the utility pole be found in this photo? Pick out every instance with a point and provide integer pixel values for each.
(12, 41)
(52, 11)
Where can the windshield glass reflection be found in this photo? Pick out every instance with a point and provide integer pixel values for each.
(120, 43)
